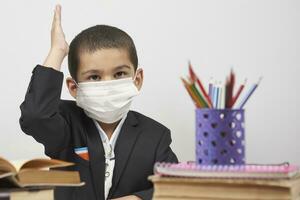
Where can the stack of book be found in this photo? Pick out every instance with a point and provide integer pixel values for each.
(215, 182)
(33, 179)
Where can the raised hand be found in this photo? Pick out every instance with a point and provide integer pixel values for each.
(59, 47)
(58, 41)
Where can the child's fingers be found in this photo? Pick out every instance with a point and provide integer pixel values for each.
(56, 23)
(58, 14)
(53, 20)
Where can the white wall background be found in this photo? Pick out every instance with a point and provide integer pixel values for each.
(256, 37)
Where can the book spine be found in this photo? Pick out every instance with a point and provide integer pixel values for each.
(4, 196)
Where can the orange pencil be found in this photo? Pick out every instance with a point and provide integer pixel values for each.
(192, 95)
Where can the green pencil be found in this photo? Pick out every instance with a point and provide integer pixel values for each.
(198, 94)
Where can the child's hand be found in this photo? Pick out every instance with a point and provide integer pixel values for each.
(59, 46)
(58, 41)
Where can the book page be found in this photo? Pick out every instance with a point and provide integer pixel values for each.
(5, 174)
(44, 164)
(18, 163)
(6, 166)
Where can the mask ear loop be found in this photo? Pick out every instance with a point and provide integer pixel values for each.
(75, 83)
(78, 87)
(82, 92)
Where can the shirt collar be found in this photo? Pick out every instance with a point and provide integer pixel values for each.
(115, 135)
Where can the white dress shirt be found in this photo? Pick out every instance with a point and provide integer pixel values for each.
(109, 145)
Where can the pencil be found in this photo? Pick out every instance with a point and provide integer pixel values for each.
(192, 95)
(210, 89)
(198, 94)
(213, 91)
(231, 87)
(216, 97)
(222, 104)
(195, 78)
(238, 94)
(249, 93)
(227, 98)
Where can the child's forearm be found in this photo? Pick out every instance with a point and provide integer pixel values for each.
(54, 59)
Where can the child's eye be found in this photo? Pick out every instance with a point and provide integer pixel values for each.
(94, 78)
(120, 74)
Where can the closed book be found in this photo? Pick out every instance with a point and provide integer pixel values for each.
(184, 188)
(27, 194)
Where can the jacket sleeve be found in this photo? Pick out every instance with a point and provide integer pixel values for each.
(40, 114)
(164, 153)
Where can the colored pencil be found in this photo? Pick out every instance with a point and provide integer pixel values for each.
(192, 95)
(231, 87)
(216, 96)
(194, 77)
(249, 94)
(238, 94)
(198, 94)
(220, 95)
(210, 88)
(222, 103)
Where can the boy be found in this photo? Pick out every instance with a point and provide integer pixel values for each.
(114, 149)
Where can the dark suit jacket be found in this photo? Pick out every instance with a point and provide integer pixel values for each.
(61, 126)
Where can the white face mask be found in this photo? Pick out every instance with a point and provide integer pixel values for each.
(106, 101)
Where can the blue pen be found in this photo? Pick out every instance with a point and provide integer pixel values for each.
(249, 93)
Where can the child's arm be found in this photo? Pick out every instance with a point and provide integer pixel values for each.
(41, 116)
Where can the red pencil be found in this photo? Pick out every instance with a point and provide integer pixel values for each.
(227, 88)
(238, 93)
(195, 78)
(231, 88)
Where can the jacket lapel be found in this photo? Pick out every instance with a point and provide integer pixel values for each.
(96, 154)
(124, 146)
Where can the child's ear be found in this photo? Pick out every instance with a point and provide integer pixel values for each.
(139, 79)
(72, 87)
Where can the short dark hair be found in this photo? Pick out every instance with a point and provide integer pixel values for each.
(96, 38)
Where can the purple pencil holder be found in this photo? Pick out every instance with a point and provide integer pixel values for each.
(220, 137)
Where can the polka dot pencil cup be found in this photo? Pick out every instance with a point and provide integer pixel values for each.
(220, 136)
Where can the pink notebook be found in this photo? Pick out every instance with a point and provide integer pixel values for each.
(227, 171)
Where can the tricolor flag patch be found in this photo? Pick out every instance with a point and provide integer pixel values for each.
(82, 152)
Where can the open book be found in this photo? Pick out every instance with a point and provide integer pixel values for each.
(36, 173)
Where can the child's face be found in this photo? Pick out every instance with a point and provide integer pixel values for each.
(104, 65)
